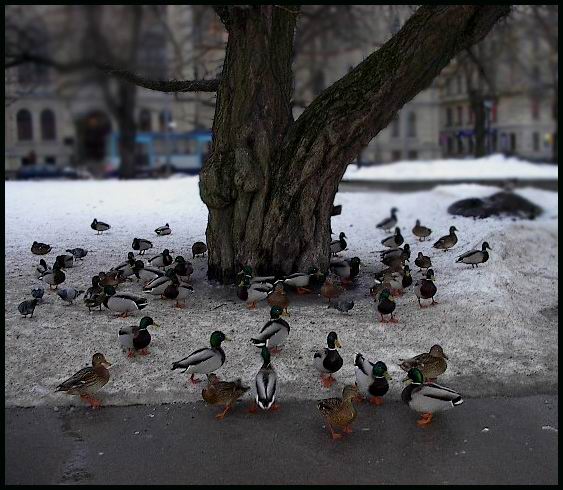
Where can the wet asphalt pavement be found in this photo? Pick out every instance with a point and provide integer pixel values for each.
(483, 441)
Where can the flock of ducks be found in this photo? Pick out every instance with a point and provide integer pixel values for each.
(169, 278)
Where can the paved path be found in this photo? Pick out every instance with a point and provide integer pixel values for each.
(184, 444)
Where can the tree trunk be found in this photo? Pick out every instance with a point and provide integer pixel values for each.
(479, 123)
(555, 105)
(269, 183)
(125, 115)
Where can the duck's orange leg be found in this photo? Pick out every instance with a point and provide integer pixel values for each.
(425, 420)
(221, 415)
(376, 400)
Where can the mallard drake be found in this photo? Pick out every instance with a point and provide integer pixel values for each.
(204, 360)
(386, 306)
(198, 248)
(344, 306)
(339, 245)
(178, 291)
(163, 230)
(340, 412)
(475, 257)
(407, 278)
(428, 398)
(162, 260)
(78, 253)
(183, 269)
(111, 278)
(448, 241)
(278, 297)
(422, 261)
(274, 332)
(69, 294)
(248, 273)
(426, 289)
(28, 307)
(136, 338)
(265, 384)
(54, 277)
(432, 364)
(302, 280)
(157, 286)
(393, 241)
(37, 293)
(396, 263)
(39, 248)
(396, 252)
(99, 226)
(223, 393)
(141, 245)
(372, 379)
(421, 232)
(88, 380)
(330, 290)
(123, 303)
(389, 223)
(65, 261)
(129, 263)
(42, 269)
(253, 293)
(146, 274)
(328, 360)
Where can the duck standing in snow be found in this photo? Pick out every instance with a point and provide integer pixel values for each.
(302, 280)
(41, 269)
(328, 360)
(39, 248)
(422, 261)
(407, 278)
(178, 291)
(389, 223)
(372, 379)
(421, 232)
(475, 257)
(265, 384)
(162, 260)
(248, 273)
(426, 289)
(278, 297)
(339, 245)
(253, 293)
(95, 288)
(38, 293)
(69, 294)
(183, 269)
(205, 360)
(224, 393)
(448, 241)
(146, 274)
(331, 291)
(141, 245)
(396, 252)
(432, 364)
(198, 248)
(163, 230)
(28, 307)
(386, 306)
(344, 305)
(393, 241)
(127, 266)
(78, 253)
(340, 412)
(65, 261)
(136, 338)
(95, 300)
(274, 333)
(157, 286)
(346, 269)
(111, 278)
(123, 303)
(88, 380)
(428, 398)
(54, 277)
(99, 226)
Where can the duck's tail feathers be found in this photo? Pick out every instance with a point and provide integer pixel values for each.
(457, 401)
(258, 342)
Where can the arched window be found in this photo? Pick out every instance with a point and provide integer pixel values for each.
(145, 120)
(48, 127)
(25, 126)
(411, 125)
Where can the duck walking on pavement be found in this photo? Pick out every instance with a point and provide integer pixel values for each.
(328, 360)
(223, 393)
(340, 412)
(372, 379)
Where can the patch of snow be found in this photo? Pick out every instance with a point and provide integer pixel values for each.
(549, 428)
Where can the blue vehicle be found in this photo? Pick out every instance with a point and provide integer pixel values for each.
(159, 152)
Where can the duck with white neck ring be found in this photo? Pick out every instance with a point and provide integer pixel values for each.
(328, 360)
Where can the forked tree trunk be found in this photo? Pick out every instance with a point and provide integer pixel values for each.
(269, 183)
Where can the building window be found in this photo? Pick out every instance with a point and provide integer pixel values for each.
(48, 127)
(450, 145)
(536, 141)
(459, 145)
(396, 155)
(24, 124)
(152, 55)
(145, 120)
(512, 142)
(535, 109)
(411, 125)
(459, 83)
(449, 86)
(459, 115)
(449, 117)
(412, 155)
(395, 127)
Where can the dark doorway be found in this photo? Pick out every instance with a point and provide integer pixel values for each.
(92, 131)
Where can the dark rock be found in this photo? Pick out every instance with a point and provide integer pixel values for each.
(499, 204)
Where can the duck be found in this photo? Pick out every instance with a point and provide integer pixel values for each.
(99, 226)
(146, 274)
(157, 285)
(247, 272)
(27, 307)
(316, 282)
(141, 245)
(340, 412)
(88, 380)
(162, 260)
(95, 300)
(302, 280)
(341, 268)
(136, 338)
(389, 223)
(274, 333)
(38, 293)
(475, 257)
(111, 278)
(78, 253)
(163, 230)
(388, 280)
(372, 379)
(421, 232)
(396, 262)
(204, 360)
(253, 293)
(426, 289)
(328, 360)
(42, 269)
(123, 303)
(183, 269)
(396, 252)
(448, 241)
(376, 289)
(393, 241)
(126, 265)
(386, 306)
(278, 297)
(69, 294)
(428, 398)
(344, 306)
(330, 290)
(198, 248)
(265, 384)
(39, 248)
(65, 261)
(407, 278)
(178, 291)
(432, 364)
(95, 288)
(54, 277)
(339, 245)
(223, 393)
(422, 261)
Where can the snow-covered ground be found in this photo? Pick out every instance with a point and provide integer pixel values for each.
(497, 323)
(494, 167)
